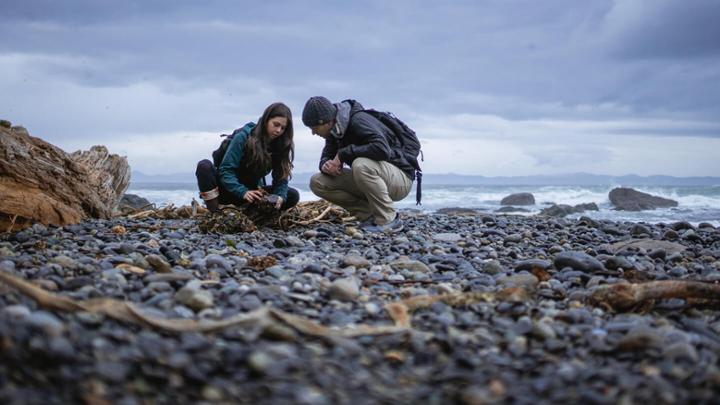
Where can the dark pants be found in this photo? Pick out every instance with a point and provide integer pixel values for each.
(207, 178)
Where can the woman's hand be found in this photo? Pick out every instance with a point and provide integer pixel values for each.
(253, 196)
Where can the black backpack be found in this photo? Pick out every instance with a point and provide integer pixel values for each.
(409, 143)
(219, 153)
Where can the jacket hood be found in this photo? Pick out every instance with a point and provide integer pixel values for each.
(345, 109)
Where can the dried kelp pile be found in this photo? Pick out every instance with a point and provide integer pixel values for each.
(169, 212)
(231, 219)
(227, 220)
(313, 212)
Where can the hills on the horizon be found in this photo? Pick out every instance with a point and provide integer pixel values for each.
(570, 179)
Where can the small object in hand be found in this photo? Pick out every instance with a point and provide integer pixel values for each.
(272, 199)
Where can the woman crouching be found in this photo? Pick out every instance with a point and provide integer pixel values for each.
(255, 151)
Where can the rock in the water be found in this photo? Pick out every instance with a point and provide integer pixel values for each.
(628, 199)
(518, 199)
(457, 211)
(131, 202)
(511, 209)
(561, 210)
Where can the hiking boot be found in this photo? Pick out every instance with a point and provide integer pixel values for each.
(212, 199)
(213, 205)
(394, 226)
(369, 221)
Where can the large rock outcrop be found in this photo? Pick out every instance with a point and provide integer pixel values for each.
(628, 199)
(40, 183)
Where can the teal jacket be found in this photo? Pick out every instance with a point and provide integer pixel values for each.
(236, 174)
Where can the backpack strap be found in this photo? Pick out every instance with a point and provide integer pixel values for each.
(418, 187)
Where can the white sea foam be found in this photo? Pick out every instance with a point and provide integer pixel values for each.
(696, 204)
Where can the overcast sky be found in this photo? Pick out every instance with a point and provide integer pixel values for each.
(493, 87)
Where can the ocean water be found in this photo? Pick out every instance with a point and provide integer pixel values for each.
(695, 203)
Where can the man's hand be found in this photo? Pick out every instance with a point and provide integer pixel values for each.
(253, 196)
(332, 167)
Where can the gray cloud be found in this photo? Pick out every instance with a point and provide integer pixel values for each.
(395, 53)
(669, 29)
(97, 68)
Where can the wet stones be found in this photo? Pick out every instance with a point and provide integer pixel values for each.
(529, 265)
(561, 210)
(617, 262)
(518, 280)
(492, 267)
(65, 261)
(646, 245)
(44, 322)
(405, 263)
(356, 261)
(192, 296)
(530, 279)
(158, 263)
(344, 289)
(640, 229)
(579, 261)
(671, 234)
(448, 237)
(16, 312)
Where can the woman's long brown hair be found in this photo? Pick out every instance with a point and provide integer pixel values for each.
(262, 150)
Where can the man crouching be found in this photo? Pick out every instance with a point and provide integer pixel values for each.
(378, 174)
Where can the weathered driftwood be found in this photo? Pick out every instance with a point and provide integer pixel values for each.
(263, 318)
(627, 297)
(40, 183)
(400, 311)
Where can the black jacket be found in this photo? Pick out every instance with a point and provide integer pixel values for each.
(366, 137)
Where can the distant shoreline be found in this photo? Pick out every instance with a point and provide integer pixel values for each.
(575, 179)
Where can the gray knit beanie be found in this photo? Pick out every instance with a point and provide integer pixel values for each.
(318, 110)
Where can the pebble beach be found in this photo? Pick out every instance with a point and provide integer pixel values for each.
(524, 331)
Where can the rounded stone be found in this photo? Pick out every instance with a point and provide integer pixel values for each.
(47, 322)
(344, 289)
(194, 298)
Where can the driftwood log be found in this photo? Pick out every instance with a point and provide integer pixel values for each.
(628, 297)
(40, 183)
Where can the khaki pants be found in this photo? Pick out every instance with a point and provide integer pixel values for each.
(368, 189)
